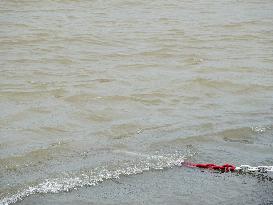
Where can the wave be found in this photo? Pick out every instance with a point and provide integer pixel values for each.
(72, 181)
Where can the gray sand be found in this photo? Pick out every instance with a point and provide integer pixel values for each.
(170, 186)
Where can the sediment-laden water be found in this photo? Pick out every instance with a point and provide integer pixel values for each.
(95, 91)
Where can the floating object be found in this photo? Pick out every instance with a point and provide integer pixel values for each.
(232, 168)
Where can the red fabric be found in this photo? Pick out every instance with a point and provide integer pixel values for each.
(223, 168)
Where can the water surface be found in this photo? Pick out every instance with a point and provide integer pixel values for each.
(95, 90)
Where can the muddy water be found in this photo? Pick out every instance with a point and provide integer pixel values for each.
(95, 90)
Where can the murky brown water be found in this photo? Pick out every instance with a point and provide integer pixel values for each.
(96, 88)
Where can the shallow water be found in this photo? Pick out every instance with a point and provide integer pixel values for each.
(98, 90)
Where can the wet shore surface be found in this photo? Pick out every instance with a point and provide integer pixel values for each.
(172, 186)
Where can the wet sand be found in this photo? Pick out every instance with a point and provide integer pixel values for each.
(172, 186)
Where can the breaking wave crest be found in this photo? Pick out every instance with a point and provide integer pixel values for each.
(92, 177)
